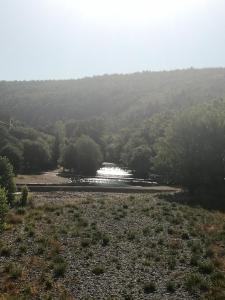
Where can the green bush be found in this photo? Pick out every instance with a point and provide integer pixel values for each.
(98, 270)
(149, 287)
(59, 269)
(6, 178)
(3, 208)
(24, 196)
(14, 270)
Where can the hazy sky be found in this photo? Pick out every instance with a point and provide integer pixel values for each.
(51, 39)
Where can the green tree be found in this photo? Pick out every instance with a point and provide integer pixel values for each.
(59, 142)
(140, 161)
(89, 156)
(6, 178)
(69, 157)
(36, 155)
(14, 155)
(3, 207)
(192, 151)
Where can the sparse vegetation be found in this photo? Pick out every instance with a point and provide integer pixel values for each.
(83, 240)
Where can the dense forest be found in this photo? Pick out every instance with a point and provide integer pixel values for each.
(167, 123)
(123, 98)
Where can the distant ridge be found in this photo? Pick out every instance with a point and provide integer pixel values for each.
(123, 96)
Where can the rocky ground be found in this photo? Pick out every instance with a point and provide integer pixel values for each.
(111, 246)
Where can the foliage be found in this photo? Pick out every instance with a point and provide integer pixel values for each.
(192, 151)
(36, 155)
(59, 142)
(3, 207)
(69, 157)
(89, 156)
(13, 139)
(14, 155)
(122, 99)
(84, 157)
(131, 118)
(140, 161)
(6, 177)
(24, 196)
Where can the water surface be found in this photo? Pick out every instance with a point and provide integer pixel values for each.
(111, 174)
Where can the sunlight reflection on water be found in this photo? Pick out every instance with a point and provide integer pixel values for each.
(111, 174)
(109, 170)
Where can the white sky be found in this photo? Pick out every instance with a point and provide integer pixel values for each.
(50, 39)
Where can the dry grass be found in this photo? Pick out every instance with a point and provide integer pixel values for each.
(112, 246)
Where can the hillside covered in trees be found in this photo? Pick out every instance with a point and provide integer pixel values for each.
(120, 97)
(168, 123)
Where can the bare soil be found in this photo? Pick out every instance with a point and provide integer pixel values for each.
(51, 177)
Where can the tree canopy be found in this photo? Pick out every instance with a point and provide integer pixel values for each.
(84, 157)
(192, 151)
(6, 177)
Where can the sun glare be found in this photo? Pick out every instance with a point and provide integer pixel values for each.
(137, 11)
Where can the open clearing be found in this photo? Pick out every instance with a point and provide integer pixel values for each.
(51, 177)
(112, 246)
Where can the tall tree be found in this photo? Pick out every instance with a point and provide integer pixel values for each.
(59, 142)
(192, 151)
(14, 155)
(7, 178)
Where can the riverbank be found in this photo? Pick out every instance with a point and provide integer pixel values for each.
(103, 189)
(51, 177)
(52, 181)
(74, 245)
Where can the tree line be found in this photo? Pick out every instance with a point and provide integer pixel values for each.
(182, 144)
(185, 149)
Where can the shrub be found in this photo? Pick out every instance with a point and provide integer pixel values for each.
(98, 270)
(194, 260)
(3, 208)
(196, 281)
(15, 270)
(21, 211)
(14, 219)
(206, 267)
(24, 196)
(85, 243)
(170, 287)
(60, 269)
(105, 240)
(5, 251)
(48, 283)
(146, 231)
(6, 178)
(149, 287)
(131, 235)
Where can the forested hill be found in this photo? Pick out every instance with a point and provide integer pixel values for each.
(135, 96)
